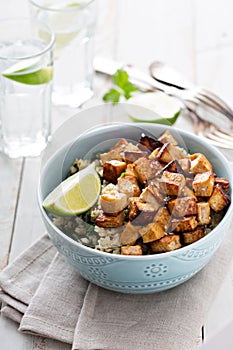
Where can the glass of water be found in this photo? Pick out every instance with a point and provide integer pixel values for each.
(73, 24)
(26, 71)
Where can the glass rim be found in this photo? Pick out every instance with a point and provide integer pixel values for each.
(65, 9)
(48, 46)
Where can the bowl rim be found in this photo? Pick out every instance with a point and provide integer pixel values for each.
(179, 251)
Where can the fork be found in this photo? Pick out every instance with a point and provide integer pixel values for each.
(203, 128)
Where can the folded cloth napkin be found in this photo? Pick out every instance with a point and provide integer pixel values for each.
(48, 298)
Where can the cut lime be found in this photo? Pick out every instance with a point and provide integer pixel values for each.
(76, 194)
(40, 76)
(73, 4)
(158, 108)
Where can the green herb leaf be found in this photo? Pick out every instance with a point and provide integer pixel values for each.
(123, 87)
(120, 78)
(113, 96)
(128, 89)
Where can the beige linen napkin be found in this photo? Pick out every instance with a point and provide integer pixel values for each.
(48, 298)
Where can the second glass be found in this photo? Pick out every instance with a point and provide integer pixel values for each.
(73, 24)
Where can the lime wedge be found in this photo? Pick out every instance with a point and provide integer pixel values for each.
(36, 77)
(76, 194)
(73, 4)
(159, 108)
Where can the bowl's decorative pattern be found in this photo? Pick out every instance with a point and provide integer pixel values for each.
(155, 270)
(199, 253)
(149, 286)
(76, 256)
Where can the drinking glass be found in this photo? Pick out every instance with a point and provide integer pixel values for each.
(73, 24)
(26, 71)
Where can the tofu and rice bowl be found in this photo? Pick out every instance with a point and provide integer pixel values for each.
(154, 198)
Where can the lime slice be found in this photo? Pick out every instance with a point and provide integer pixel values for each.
(36, 77)
(73, 4)
(159, 108)
(76, 194)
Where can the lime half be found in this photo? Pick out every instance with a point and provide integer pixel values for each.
(34, 77)
(159, 108)
(76, 194)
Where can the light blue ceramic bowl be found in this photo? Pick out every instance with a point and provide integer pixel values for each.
(132, 274)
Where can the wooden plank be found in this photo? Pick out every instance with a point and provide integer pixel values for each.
(220, 313)
(10, 177)
(28, 225)
(11, 339)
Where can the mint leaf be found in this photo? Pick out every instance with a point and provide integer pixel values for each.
(123, 87)
(113, 96)
(120, 78)
(128, 89)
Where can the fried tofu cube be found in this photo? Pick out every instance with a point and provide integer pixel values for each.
(203, 184)
(152, 232)
(203, 213)
(154, 154)
(131, 250)
(129, 235)
(139, 212)
(130, 170)
(129, 186)
(178, 166)
(132, 156)
(105, 220)
(185, 164)
(130, 147)
(112, 170)
(182, 206)
(167, 137)
(193, 236)
(121, 145)
(116, 152)
(189, 182)
(111, 155)
(148, 144)
(113, 201)
(171, 166)
(223, 182)
(219, 199)
(200, 164)
(133, 207)
(171, 183)
(169, 152)
(166, 244)
(150, 194)
(188, 223)
(188, 192)
(163, 217)
(146, 169)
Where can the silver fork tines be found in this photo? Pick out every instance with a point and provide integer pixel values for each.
(218, 137)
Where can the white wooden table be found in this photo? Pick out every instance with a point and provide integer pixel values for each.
(195, 36)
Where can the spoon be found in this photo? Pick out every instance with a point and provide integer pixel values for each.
(167, 75)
